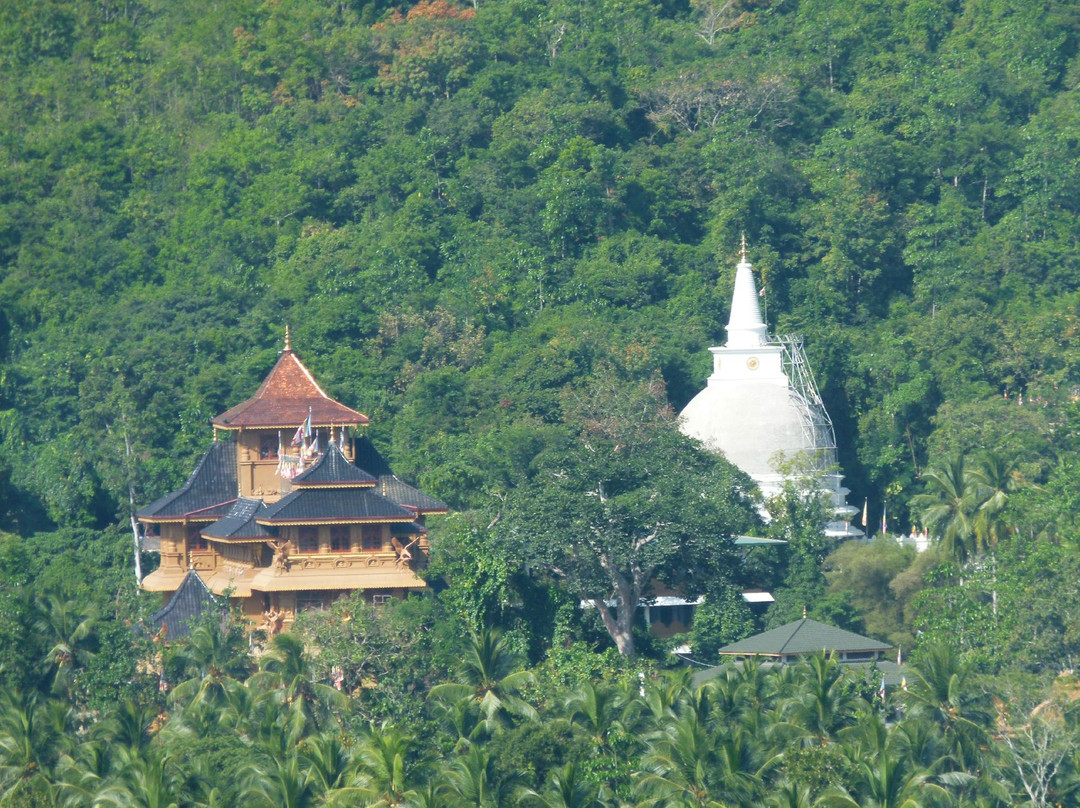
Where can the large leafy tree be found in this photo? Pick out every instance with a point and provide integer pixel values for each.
(625, 503)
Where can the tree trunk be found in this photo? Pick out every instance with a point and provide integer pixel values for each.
(131, 512)
(621, 625)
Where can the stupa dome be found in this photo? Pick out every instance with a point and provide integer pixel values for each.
(761, 408)
(753, 423)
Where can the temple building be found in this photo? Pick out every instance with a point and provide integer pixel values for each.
(291, 507)
(762, 410)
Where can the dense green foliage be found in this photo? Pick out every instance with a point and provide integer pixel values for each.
(498, 735)
(461, 210)
(474, 218)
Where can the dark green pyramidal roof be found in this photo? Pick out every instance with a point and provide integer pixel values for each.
(803, 637)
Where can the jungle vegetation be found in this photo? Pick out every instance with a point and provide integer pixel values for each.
(490, 225)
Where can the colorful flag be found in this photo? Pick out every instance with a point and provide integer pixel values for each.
(307, 424)
(298, 438)
(884, 523)
(881, 690)
(864, 502)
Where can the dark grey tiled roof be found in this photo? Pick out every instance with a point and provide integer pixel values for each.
(369, 459)
(333, 469)
(390, 486)
(190, 600)
(407, 529)
(333, 504)
(804, 637)
(208, 492)
(239, 523)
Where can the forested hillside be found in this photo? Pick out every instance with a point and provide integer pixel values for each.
(464, 212)
(494, 228)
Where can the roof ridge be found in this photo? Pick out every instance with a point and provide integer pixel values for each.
(289, 353)
(791, 637)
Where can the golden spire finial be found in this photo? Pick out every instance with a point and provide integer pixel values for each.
(744, 245)
(804, 611)
(287, 346)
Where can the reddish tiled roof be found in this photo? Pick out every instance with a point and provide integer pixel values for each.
(285, 398)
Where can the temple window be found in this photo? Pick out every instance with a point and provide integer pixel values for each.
(372, 539)
(268, 447)
(340, 541)
(308, 540)
(310, 601)
(197, 542)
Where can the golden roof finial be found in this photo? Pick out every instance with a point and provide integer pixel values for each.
(804, 611)
(744, 245)
(287, 346)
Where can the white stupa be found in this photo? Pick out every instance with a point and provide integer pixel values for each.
(761, 407)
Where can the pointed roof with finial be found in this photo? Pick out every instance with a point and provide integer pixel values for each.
(746, 328)
(804, 637)
(333, 470)
(287, 396)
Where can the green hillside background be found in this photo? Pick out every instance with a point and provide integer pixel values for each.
(463, 211)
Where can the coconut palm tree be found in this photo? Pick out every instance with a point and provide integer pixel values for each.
(472, 781)
(149, 780)
(68, 627)
(568, 789)
(384, 774)
(285, 671)
(461, 722)
(948, 505)
(823, 704)
(128, 724)
(940, 691)
(328, 760)
(665, 695)
(996, 480)
(490, 677)
(602, 712)
(215, 661)
(786, 794)
(282, 781)
(691, 764)
(886, 781)
(31, 736)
